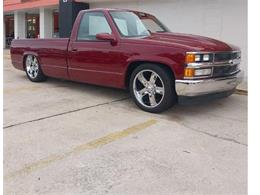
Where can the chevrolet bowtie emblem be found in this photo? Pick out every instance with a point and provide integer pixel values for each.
(231, 62)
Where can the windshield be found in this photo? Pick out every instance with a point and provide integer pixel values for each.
(131, 24)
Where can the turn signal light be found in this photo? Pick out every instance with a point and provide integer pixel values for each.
(190, 58)
(189, 72)
(198, 57)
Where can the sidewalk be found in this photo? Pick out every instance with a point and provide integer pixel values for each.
(6, 53)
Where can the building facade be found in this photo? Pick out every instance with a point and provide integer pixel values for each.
(225, 20)
(30, 19)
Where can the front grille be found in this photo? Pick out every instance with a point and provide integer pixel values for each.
(231, 61)
(226, 56)
(220, 71)
(223, 64)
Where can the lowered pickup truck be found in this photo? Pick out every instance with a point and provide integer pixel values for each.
(133, 50)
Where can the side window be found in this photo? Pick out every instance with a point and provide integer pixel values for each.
(93, 23)
(122, 25)
(140, 27)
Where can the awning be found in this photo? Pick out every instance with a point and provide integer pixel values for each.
(13, 5)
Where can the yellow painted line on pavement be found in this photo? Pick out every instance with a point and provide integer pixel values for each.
(84, 147)
(241, 92)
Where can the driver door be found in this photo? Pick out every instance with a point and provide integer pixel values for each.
(91, 60)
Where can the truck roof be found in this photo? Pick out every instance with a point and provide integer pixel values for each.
(113, 9)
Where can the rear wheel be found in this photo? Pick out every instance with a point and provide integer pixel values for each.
(152, 88)
(33, 69)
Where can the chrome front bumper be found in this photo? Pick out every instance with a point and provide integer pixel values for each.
(199, 87)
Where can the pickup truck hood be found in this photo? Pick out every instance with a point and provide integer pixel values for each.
(190, 42)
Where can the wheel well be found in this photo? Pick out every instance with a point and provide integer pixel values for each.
(134, 65)
(24, 58)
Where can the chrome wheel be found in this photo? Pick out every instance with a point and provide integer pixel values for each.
(148, 88)
(32, 66)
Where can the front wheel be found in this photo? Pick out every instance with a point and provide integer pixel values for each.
(33, 69)
(152, 88)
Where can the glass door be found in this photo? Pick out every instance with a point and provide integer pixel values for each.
(32, 25)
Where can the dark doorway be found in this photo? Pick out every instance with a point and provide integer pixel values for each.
(9, 29)
(56, 28)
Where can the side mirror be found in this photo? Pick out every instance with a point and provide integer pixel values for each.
(106, 37)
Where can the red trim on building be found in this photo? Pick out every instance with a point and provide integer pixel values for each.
(9, 2)
(13, 5)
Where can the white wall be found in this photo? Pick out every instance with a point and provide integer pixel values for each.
(221, 19)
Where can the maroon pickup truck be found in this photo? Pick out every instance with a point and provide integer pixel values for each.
(134, 50)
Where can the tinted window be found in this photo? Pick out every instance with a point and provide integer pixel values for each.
(93, 23)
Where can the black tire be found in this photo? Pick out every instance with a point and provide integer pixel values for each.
(170, 96)
(34, 76)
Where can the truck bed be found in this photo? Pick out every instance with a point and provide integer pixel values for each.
(51, 53)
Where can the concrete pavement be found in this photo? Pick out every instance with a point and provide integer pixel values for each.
(67, 138)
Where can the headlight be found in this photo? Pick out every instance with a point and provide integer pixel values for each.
(203, 72)
(206, 57)
(195, 58)
(192, 72)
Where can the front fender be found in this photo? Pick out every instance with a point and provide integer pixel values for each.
(176, 67)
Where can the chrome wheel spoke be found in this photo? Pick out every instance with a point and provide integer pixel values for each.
(34, 61)
(28, 68)
(152, 100)
(31, 71)
(35, 73)
(153, 78)
(29, 60)
(143, 92)
(142, 79)
(159, 90)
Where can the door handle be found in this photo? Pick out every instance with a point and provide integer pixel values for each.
(74, 49)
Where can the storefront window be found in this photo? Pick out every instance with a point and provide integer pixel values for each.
(56, 24)
(32, 25)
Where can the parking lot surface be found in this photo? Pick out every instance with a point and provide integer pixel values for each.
(62, 137)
